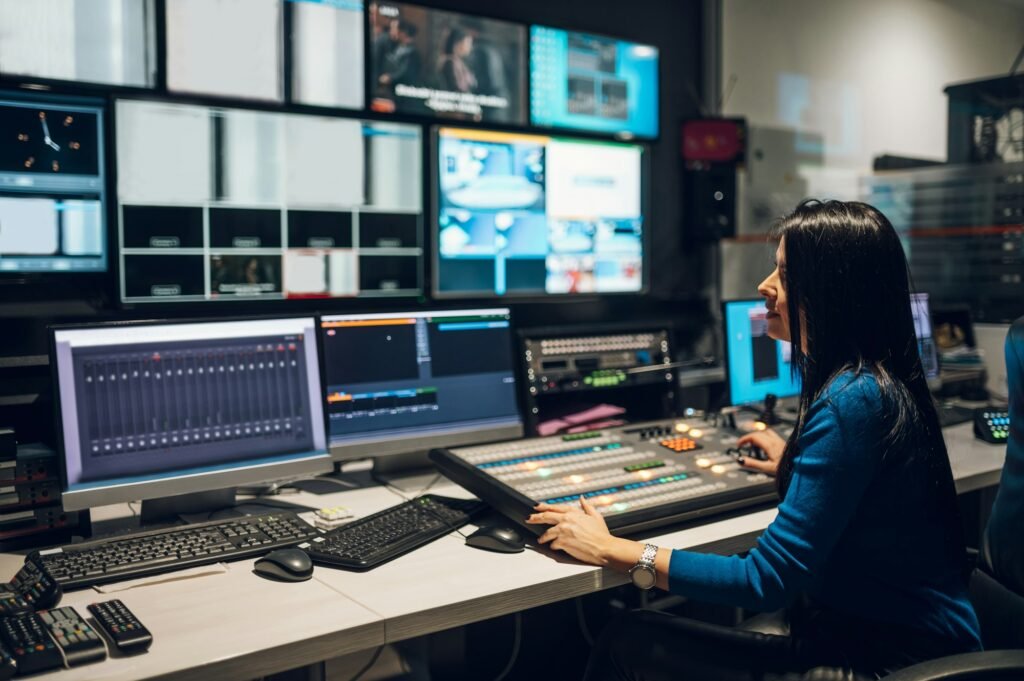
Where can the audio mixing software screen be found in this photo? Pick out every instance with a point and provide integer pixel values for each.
(427, 371)
(146, 401)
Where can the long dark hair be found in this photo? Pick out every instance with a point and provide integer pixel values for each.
(848, 290)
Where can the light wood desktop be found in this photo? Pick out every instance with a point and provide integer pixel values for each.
(237, 625)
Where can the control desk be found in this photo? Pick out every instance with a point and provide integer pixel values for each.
(638, 476)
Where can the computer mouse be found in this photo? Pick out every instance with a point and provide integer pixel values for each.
(286, 565)
(500, 538)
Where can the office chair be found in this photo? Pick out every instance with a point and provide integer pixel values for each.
(997, 580)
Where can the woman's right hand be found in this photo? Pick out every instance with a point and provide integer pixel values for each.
(769, 442)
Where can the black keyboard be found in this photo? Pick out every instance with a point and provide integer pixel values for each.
(953, 414)
(78, 566)
(393, 532)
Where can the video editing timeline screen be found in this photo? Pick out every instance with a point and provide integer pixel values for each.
(217, 204)
(925, 340)
(758, 364)
(140, 403)
(522, 214)
(430, 62)
(422, 373)
(52, 185)
(592, 83)
(327, 52)
(95, 41)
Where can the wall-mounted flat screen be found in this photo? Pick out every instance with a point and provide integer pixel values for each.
(225, 48)
(222, 204)
(429, 62)
(522, 214)
(95, 41)
(327, 52)
(593, 83)
(52, 186)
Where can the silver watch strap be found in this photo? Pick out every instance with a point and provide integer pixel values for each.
(648, 556)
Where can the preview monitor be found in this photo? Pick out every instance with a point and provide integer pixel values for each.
(156, 410)
(430, 62)
(52, 185)
(926, 345)
(220, 204)
(757, 365)
(594, 83)
(111, 42)
(526, 214)
(225, 48)
(408, 381)
(327, 53)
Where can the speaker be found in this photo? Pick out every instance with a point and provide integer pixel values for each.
(712, 149)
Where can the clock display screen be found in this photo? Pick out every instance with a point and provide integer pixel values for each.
(52, 187)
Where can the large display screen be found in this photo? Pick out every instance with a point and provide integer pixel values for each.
(327, 52)
(52, 187)
(594, 83)
(429, 62)
(220, 204)
(522, 214)
(96, 41)
(226, 48)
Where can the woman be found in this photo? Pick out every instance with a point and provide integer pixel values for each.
(455, 72)
(867, 549)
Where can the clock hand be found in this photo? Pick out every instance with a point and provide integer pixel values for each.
(54, 145)
(46, 130)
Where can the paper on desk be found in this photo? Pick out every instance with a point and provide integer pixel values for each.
(191, 573)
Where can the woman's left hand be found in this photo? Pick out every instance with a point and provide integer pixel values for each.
(579, 531)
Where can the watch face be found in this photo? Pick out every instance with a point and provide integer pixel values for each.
(643, 577)
(49, 141)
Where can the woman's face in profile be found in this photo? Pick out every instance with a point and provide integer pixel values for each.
(464, 46)
(774, 294)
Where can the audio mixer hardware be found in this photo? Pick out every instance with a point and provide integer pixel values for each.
(638, 477)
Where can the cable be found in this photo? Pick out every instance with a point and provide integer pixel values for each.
(434, 481)
(368, 665)
(582, 619)
(1017, 61)
(516, 641)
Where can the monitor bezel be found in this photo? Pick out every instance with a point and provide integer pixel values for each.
(725, 348)
(318, 461)
(389, 443)
(434, 191)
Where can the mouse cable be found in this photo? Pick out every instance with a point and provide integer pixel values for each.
(581, 617)
(516, 641)
(368, 665)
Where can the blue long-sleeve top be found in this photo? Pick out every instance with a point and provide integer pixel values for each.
(857, 539)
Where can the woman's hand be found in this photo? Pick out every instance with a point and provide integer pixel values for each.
(583, 534)
(769, 442)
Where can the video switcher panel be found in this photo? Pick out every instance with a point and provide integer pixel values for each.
(638, 476)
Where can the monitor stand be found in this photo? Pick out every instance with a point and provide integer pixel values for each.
(200, 506)
(409, 471)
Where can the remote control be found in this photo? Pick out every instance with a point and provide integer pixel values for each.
(26, 638)
(123, 627)
(35, 584)
(77, 640)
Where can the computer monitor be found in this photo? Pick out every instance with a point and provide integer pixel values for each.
(403, 382)
(925, 338)
(327, 53)
(222, 204)
(112, 42)
(756, 364)
(431, 62)
(531, 215)
(159, 410)
(52, 185)
(593, 83)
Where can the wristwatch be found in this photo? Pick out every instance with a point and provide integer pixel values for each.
(643, 574)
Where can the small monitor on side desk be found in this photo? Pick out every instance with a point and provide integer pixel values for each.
(149, 411)
(925, 338)
(757, 364)
(402, 383)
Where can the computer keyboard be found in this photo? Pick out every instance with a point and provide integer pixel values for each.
(78, 566)
(952, 414)
(393, 532)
